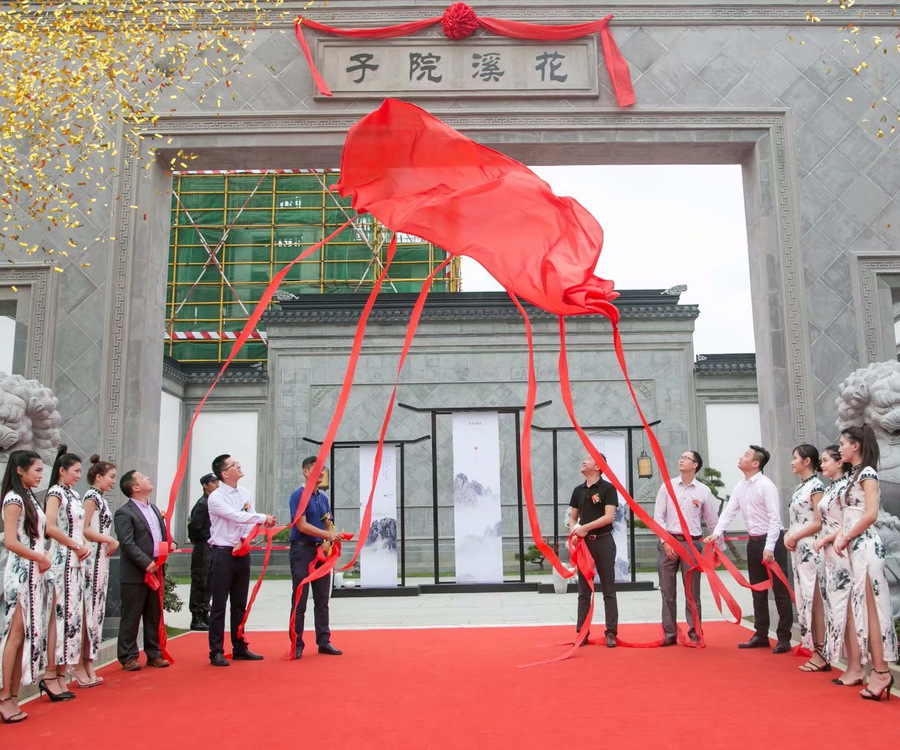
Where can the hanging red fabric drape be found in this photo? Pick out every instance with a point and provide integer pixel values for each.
(418, 175)
(459, 21)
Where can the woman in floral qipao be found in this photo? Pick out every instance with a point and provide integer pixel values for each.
(65, 526)
(805, 559)
(838, 582)
(23, 628)
(870, 600)
(98, 532)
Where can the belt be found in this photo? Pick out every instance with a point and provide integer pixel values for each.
(595, 537)
(761, 538)
(304, 543)
(221, 546)
(681, 537)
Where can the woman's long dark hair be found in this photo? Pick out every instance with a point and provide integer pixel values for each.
(64, 460)
(868, 448)
(12, 481)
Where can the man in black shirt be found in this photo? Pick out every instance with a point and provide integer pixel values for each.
(198, 533)
(591, 513)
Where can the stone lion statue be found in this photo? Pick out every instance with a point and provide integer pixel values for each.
(871, 395)
(28, 417)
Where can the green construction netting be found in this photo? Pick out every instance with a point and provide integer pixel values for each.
(263, 222)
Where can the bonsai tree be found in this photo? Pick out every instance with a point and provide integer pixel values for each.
(712, 478)
(533, 555)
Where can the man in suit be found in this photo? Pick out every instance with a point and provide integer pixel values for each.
(140, 530)
(198, 534)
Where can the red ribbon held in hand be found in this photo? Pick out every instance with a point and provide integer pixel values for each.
(157, 582)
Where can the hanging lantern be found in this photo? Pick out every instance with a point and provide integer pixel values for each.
(645, 465)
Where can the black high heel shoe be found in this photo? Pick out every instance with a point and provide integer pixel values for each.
(885, 691)
(15, 718)
(812, 667)
(66, 695)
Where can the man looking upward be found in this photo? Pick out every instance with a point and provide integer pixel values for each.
(697, 504)
(756, 497)
(231, 517)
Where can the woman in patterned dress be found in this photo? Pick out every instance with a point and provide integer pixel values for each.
(840, 633)
(65, 526)
(870, 599)
(806, 561)
(97, 530)
(24, 620)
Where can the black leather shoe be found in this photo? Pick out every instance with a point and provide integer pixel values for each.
(198, 624)
(782, 647)
(669, 640)
(694, 638)
(611, 640)
(755, 642)
(247, 655)
(298, 653)
(329, 649)
(219, 661)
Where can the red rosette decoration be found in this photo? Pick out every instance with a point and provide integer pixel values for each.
(459, 21)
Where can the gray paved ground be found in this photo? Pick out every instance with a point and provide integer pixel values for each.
(271, 610)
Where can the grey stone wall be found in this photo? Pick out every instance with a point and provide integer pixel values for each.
(748, 82)
(470, 358)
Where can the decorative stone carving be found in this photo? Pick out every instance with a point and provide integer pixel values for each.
(871, 395)
(29, 418)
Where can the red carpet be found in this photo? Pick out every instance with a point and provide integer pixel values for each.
(460, 688)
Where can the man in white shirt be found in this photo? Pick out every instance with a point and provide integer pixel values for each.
(756, 497)
(697, 504)
(231, 517)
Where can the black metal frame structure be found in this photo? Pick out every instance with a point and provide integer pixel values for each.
(514, 410)
(401, 444)
(629, 429)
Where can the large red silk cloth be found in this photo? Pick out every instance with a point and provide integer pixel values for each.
(418, 175)
(619, 74)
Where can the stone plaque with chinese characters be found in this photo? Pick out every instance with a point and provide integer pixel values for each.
(444, 68)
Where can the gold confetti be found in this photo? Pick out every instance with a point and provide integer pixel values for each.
(101, 67)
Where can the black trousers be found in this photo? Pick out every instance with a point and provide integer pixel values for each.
(229, 578)
(603, 550)
(757, 574)
(301, 557)
(139, 603)
(201, 593)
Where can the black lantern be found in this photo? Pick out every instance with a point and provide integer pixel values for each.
(645, 465)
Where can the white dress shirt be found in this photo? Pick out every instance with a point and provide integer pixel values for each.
(229, 522)
(757, 500)
(696, 502)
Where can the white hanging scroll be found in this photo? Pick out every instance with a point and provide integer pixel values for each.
(476, 497)
(378, 558)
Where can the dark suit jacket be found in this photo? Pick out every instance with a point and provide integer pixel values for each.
(135, 541)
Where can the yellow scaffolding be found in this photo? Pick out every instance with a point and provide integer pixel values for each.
(232, 232)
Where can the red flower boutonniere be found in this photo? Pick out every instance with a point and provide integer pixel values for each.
(696, 502)
(246, 508)
(595, 498)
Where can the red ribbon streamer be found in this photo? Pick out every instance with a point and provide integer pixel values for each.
(157, 582)
(619, 73)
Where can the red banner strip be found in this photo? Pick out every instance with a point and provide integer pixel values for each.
(527, 481)
(411, 328)
(246, 332)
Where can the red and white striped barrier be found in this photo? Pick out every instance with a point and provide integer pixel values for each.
(211, 336)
